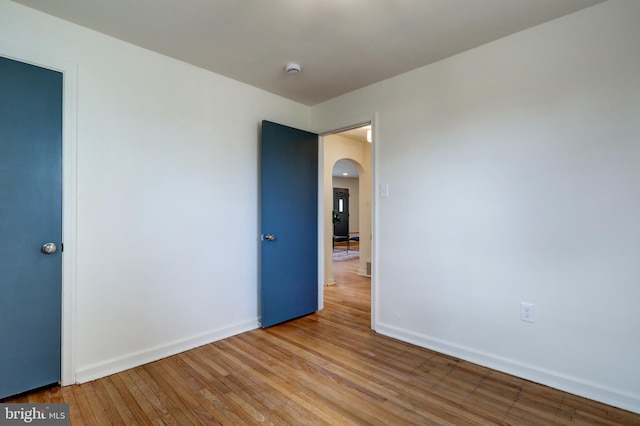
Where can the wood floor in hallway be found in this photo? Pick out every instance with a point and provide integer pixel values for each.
(328, 368)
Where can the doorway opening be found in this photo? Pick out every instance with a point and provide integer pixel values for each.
(347, 208)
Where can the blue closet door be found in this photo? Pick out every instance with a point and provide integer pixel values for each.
(30, 217)
(289, 221)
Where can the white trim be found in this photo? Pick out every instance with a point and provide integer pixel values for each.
(554, 379)
(374, 221)
(336, 127)
(136, 359)
(320, 223)
(69, 195)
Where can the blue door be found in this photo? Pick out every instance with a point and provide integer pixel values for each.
(30, 217)
(289, 221)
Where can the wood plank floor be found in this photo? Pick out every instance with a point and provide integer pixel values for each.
(328, 368)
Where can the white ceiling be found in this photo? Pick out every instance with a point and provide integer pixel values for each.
(342, 45)
(358, 134)
(345, 166)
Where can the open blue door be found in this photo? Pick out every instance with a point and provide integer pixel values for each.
(289, 221)
(30, 217)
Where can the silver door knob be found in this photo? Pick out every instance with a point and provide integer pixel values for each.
(49, 248)
(270, 237)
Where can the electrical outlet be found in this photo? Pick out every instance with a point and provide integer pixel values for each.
(527, 312)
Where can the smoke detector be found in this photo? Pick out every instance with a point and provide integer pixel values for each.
(292, 68)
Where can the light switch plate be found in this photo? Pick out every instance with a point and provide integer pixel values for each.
(384, 190)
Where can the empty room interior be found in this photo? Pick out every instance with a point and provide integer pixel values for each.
(498, 210)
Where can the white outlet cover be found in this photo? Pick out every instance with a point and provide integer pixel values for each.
(527, 312)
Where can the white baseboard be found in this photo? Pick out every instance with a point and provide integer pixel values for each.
(125, 362)
(535, 374)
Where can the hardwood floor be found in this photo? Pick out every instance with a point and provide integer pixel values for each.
(327, 368)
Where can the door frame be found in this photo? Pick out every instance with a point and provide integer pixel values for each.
(69, 195)
(326, 130)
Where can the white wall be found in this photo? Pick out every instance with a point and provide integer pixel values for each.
(514, 175)
(167, 218)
